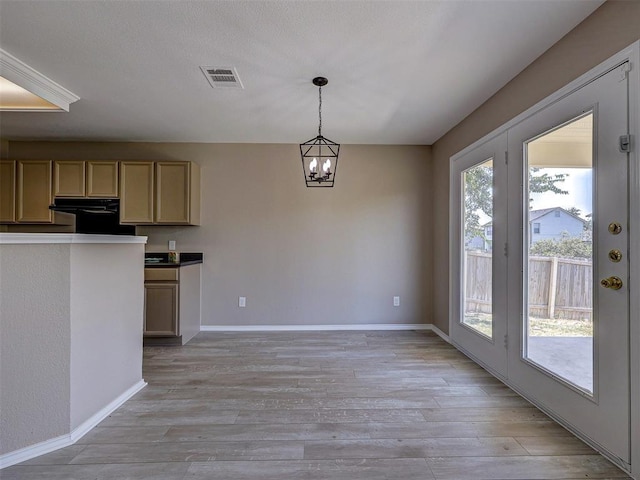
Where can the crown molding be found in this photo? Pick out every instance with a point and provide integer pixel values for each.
(23, 75)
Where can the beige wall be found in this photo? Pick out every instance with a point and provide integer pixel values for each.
(70, 335)
(338, 256)
(107, 307)
(608, 30)
(34, 344)
(299, 255)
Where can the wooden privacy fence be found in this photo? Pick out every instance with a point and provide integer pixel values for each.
(558, 287)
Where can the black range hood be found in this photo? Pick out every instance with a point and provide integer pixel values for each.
(86, 205)
(94, 215)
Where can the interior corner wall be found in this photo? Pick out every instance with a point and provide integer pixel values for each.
(610, 29)
(301, 256)
(106, 330)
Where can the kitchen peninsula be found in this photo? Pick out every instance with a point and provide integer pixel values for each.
(71, 316)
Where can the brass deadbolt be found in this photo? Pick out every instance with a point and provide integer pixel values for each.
(615, 228)
(614, 283)
(615, 255)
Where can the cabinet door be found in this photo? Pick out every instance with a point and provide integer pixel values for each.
(136, 192)
(34, 191)
(68, 178)
(102, 179)
(7, 192)
(173, 193)
(161, 309)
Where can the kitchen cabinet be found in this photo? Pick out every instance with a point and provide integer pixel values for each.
(161, 302)
(136, 192)
(177, 193)
(102, 179)
(172, 302)
(79, 178)
(162, 193)
(69, 178)
(7, 191)
(34, 191)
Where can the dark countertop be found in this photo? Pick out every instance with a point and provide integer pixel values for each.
(163, 262)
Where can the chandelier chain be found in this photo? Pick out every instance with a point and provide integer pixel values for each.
(320, 111)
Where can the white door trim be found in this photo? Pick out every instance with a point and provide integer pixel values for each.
(464, 337)
(631, 54)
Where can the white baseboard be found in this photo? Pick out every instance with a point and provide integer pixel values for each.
(95, 419)
(48, 446)
(315, 328)
(440, 333)
(27, 453)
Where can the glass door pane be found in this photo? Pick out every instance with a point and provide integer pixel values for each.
(478, 322)
(559, 263)
(477, 215)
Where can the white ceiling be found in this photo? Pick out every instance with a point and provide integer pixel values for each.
(400, 72)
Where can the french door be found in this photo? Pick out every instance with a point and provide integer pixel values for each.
(560, 293)
(479, 267)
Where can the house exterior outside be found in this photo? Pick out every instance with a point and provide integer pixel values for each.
(545, 224)
(482, 243)
(554, 224)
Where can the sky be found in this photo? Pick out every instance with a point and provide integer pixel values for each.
(579, 185)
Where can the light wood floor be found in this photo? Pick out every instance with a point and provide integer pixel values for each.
(316, 406)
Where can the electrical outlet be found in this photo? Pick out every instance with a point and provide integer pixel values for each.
(172, 245)
(242, 301)
(396, 301)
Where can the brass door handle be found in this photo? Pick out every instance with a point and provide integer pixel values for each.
(614, 283)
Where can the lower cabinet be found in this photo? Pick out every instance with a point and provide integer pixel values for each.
(161, 309)
(172, 304)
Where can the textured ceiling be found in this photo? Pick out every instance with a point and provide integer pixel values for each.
(400, 72)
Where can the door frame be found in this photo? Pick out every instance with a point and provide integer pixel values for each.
(494, 349)
(631, 54)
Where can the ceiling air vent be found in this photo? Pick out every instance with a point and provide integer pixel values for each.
(222, 77)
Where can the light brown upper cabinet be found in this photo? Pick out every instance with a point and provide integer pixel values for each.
(161, 193)
(69, 178)
(7, 191)
(136, 192)
(102, 179)
(177, 193)
(78, 178)
(34, 192)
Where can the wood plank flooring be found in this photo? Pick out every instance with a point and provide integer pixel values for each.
(320, 405)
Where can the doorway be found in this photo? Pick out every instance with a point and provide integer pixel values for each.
(540, 272)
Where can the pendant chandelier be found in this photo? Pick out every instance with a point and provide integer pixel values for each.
(319, 155)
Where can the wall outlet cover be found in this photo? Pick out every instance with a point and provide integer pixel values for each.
(396, 301)
(172, 244)
(242, 301)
